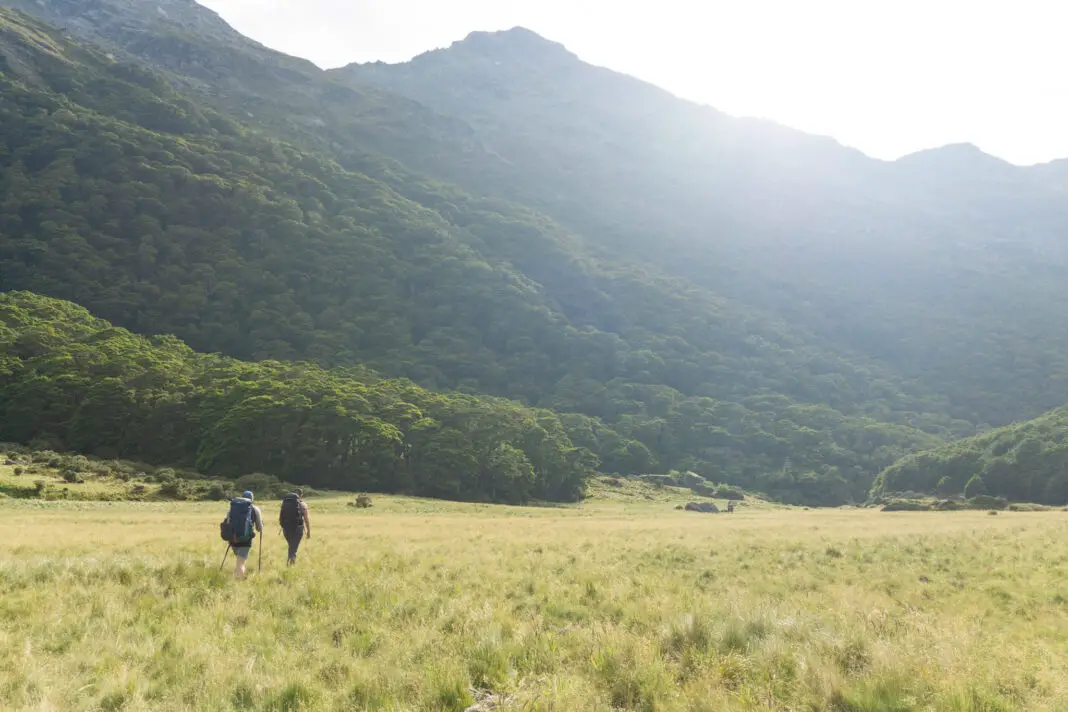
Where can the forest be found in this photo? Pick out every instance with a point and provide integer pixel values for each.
(1024, 462)
(71, 381)
(164, 217)
(770, 327)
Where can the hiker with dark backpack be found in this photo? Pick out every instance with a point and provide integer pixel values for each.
(239, 529)
(294, 520)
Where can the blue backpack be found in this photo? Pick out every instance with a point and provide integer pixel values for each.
(238, 526)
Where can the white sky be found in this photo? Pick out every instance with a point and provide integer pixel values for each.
(886, 76)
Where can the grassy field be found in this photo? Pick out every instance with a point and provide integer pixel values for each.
(620, 603)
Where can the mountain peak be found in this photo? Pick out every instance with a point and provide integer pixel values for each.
(518, 41)
(956, 153)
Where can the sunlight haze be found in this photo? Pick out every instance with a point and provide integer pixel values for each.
(887, 78)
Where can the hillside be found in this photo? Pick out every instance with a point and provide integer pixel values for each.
(1025, 462)
(69, 380)
(162, 214)
(765, 307)
(943, 267)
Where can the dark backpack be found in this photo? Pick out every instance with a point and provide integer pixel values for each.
(238, 525)
(292, 515)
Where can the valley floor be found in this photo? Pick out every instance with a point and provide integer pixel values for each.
(417, 605)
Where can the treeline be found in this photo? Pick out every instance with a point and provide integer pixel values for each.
(70, 381)
(164, 216)
(1025, 462)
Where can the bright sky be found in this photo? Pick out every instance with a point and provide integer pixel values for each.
(886, 76)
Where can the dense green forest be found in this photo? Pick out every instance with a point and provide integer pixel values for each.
(162, 215)
(68, 380)
(685, 290)
(1023, 462)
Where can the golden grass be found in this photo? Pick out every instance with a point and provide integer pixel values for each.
(419, 605)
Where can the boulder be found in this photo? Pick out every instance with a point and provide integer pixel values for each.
(705, 507)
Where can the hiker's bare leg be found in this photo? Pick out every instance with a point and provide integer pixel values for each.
(239, 572)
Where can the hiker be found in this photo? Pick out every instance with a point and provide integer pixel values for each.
(730, 506)
(240, 527)
(295, 522)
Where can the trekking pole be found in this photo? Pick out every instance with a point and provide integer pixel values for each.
(225, 554)
(259, 566)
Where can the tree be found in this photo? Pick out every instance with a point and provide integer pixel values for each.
(975, 487)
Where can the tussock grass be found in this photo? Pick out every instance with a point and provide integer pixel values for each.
(415, 605)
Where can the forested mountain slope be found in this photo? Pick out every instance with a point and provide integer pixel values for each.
(70, 380)
(1025, 461)
(775, 323)
(163, 215)
(947, 266)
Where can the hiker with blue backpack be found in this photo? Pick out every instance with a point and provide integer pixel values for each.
(239, 529)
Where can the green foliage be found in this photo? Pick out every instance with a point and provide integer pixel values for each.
(900, 266)
(904, 505)
(161, 213)
(259, 211)
(86, 383)
(984, 501)
(725, 492)
(975, 487)
(1025, 462)
(944, 487)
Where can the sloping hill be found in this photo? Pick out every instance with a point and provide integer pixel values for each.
(944, 266)
(692, 290)
(1025, 461)
(68, 379)
(162, 214)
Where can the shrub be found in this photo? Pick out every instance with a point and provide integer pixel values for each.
(72, 476)
(987, 502)
(216, 493)
(260, 484)
(18, 472)
(726, 492)
(905, 506)
(125, 467)
(79, 463)
(47, 457)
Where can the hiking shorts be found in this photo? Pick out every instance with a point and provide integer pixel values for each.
(242, 551)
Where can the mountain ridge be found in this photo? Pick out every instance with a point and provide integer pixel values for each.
(505, 43)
